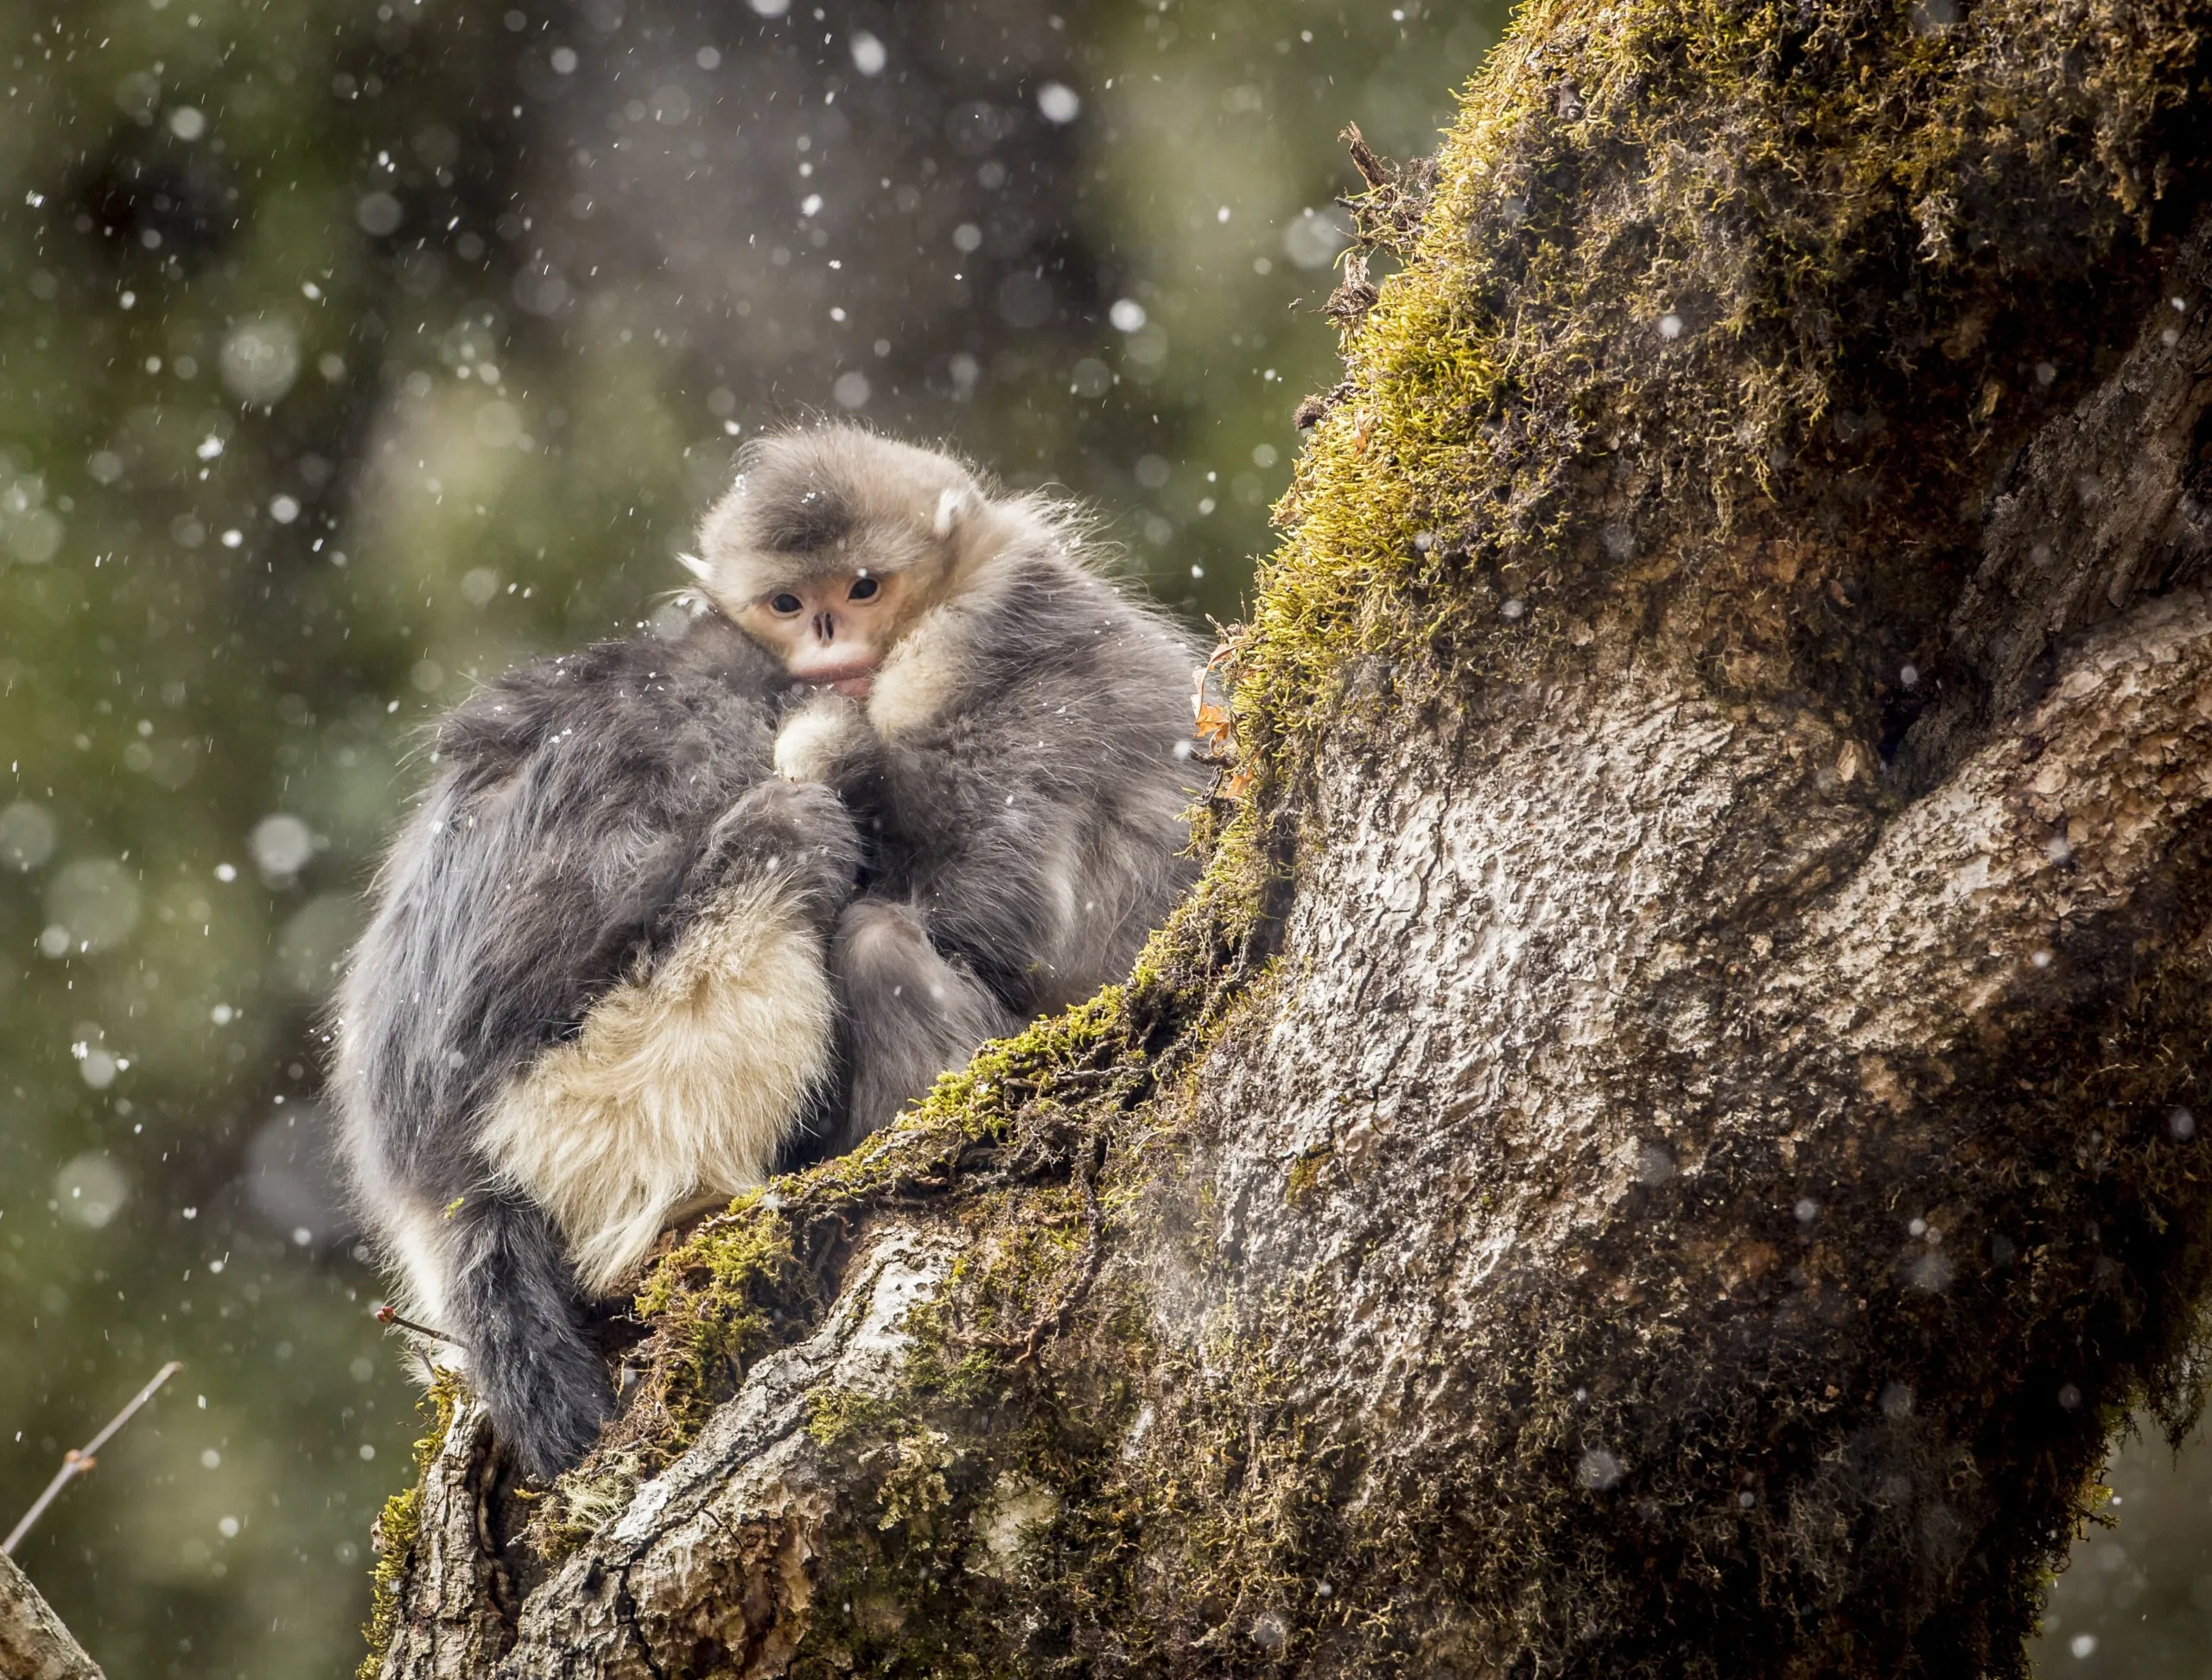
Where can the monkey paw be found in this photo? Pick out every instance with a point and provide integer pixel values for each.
(802, 829)
(822, 741)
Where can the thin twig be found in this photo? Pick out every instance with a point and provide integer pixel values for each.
(82, 1459)
(384, 1315)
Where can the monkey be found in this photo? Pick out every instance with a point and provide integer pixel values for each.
(591, 998)
(1011, 732)
(674, 915)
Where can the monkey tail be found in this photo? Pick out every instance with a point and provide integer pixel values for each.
(513, 1308)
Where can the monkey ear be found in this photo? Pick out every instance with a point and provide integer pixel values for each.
(952, 506)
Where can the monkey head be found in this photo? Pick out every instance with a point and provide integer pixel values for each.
(833, 541)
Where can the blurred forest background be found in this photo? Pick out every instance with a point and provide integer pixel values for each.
(350, 353)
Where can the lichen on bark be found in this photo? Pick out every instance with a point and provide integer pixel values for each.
(1665, 1140)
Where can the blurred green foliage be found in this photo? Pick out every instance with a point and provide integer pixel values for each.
(353, 352)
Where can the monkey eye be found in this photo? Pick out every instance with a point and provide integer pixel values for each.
(784, 604)
(863, 589)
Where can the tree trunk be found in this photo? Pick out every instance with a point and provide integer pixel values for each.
(1663, 1143)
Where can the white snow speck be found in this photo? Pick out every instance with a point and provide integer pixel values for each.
(809, 204)
(1126, 315)
(95, 903)
(188, 123)
(868, 55)
(378, 213)
(563, 61)
(281, 844)
(27, 834)
(90, 1189)
(261, 360)
(283, 509)
(1670, 325)
(1059, 103)
(1313, 238)
(2083, 1644)
(1598, 1470)
(851, 388)
(770, 8)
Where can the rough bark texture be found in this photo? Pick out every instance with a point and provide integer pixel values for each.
(1666, 1142)
(34, 1645)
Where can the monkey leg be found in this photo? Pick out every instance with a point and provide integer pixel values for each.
(907, 1014)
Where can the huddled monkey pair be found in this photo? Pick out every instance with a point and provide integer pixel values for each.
(677, 912)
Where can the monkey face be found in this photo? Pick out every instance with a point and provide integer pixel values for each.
(832, 630)
(833, 543)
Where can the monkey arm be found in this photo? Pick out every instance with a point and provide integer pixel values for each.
(801, 831)
(829, 740)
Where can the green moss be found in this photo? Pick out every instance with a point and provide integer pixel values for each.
(836, 1417)
(1305, 1173)
(714, 1304)
(399, 1525)
(1510, 398)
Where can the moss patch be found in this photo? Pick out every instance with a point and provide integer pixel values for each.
(399, 1525)
(1685, 260)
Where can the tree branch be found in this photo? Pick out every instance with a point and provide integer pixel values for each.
(2111, 501)
(34, 1645)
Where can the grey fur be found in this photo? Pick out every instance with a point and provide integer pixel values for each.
(585, 809)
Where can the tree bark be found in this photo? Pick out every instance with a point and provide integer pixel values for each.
(1666, 1140)
(34, 1643)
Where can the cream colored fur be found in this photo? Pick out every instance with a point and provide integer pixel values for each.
(679, 1091)
(812, 738)
(418, 1241)
(913, 686)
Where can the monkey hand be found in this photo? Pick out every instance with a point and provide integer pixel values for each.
(799, 830)
(826, 740)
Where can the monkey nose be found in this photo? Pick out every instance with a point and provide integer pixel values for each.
(825, 627)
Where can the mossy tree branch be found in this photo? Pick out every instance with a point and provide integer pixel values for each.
(1666, 1140)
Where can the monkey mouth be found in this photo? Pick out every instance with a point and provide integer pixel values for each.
(853, 681)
